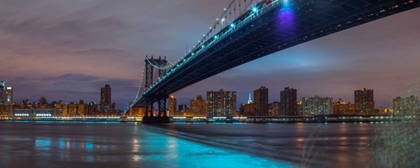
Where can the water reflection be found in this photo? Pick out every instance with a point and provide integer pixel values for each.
(177, 145)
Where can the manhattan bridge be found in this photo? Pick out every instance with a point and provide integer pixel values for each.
(251, 29)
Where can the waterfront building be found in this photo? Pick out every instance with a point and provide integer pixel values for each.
(36, 112)
(6, 94)
(182, 108)
(408, 105)
(106, 98)
(198, 106)
(274, 109)
(25, 104)
(64, 109)
(261, 101)
(288, 101)
(137, 111)
(172, 106)
(43, 103)
(364, 102)
(247, 109)
(299, 108)
(72, 109)
(317, 106)
(384, 110)
(81, 108)
(342, 107)
(4, 111)
(2, 92)
(91, 109)
(221, 103)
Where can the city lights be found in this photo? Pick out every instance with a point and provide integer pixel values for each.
(254, 9)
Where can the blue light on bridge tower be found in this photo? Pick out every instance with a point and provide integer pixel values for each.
(232, 25)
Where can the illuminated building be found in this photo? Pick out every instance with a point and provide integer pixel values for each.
(34, 112)
(288, 101)
(2, 92)
(114, 106)
(408, 105)
(383, 110)
(6, 94)
(9, 95)
(43, 103)
(261, 101)
(106, 98)
(91, 109)
(4, 111)
(182, 108)
(137, 111)
(250, 98)
(81, 108)
(299, 108)
(317, 106)
(274, 109)
(172, 106)
(247, 109)
(221, 103)
(72, 109)
(363, 100)
(343, 108)
(64, 110)
(40, 109)
(198, 106)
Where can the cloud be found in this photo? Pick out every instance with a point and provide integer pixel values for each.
(69, 49)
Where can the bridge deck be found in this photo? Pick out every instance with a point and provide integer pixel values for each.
(271, 31)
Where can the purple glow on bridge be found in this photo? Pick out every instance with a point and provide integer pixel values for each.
(286, 18)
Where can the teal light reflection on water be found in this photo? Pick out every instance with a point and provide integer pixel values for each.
(61, 143)
(42, 143)
(176, 152)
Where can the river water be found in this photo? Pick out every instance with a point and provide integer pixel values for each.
(67, 144)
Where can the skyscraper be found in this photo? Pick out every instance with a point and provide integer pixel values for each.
(363, 100)
(221, 103)
(2, 92)
(261, 101)
(288, 101)
(6, 94)
(9, 95)
(250, 98)
(106, 98)
(172, 106)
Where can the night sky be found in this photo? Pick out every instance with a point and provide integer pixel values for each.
(68, 49)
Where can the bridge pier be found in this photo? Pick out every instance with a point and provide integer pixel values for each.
(149, 117)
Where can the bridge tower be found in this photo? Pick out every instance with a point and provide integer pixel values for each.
(150, 65)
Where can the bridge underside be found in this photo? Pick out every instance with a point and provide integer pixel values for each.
(276, 30)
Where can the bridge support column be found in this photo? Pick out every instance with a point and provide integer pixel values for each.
(150, 99)
(162, 117)
(149, 118)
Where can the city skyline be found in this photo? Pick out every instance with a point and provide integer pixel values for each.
(65, 64)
